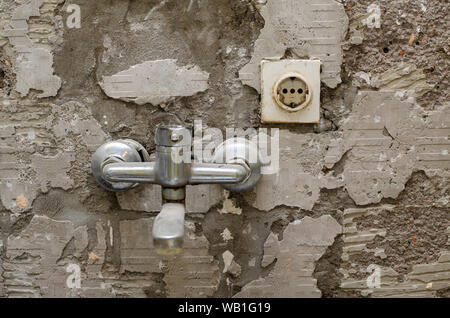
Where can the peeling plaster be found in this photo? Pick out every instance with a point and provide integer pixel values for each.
(52, 171)
(379, 165)
(384, 140)
(358, 165)
(404, 78)
(304, 242)
(34, 68)
(424, 280)
(155, 82)
(50, 156)
(34, 263)
(229, 206)
(310, 28)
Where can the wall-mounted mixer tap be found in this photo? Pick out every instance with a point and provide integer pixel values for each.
(123, 164)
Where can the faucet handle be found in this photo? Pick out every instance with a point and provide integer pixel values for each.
(118, 151)
(244, 152)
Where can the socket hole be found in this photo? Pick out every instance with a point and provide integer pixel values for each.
(292, 93)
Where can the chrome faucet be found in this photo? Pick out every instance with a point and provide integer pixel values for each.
(123, 164)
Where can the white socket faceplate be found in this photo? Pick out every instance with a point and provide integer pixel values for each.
(290, 91)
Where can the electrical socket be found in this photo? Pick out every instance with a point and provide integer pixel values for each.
(290, 91)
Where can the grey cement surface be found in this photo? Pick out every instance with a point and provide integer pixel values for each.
(364, 192)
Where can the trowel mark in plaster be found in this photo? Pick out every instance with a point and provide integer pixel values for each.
(34, 68)
(155, 82)
(312, 28)
(406, 79)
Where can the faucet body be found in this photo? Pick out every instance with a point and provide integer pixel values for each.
(123, 164)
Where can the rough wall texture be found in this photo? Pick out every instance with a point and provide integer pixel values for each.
(359, 208)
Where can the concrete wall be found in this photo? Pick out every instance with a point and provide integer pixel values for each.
(359, 208)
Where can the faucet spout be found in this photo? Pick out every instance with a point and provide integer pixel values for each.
(168, 229)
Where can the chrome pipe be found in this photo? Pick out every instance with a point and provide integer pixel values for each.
(145, 172)
(217, 173)
(129, 172)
